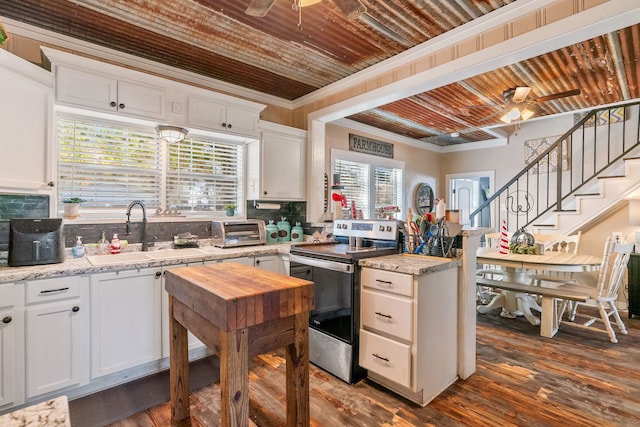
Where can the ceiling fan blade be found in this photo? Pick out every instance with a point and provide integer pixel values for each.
(564, 94)
(351, 9)
(259, 8)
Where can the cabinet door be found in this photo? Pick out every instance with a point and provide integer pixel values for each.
(53, 346)
(86, 89)
(271, 263)
(205, 113)
(193, 342)
(137, 99)
(126, 320)
(25, 110)
(9, 372)
(283, 166)
(241, 121)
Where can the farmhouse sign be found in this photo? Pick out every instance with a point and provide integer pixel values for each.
(370, 146)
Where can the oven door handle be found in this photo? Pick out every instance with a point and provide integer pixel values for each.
(321, 263)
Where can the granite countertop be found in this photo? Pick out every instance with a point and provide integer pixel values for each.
(50, 413)
(76, 266)
(410, 264)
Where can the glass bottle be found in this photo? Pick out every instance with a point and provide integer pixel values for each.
(103, 245)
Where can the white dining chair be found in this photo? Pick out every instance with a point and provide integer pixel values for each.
(604, 296)
(556, 243)
(484, 294)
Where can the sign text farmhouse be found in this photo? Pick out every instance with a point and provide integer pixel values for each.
(370, 146)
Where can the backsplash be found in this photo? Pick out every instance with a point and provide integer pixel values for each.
(293, 211)
(20, 206)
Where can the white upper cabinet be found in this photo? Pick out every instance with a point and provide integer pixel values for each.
(105, 93)
(220, 113)
(276, 164)
(26, 113)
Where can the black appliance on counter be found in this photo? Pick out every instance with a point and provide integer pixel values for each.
(334, 323)
(35, 241)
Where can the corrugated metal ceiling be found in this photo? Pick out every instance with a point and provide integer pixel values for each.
(271, 55)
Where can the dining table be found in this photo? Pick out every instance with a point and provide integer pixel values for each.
(516, 268)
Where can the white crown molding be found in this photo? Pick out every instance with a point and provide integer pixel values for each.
(96, 51)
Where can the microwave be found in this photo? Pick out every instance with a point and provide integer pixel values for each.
(247, 232)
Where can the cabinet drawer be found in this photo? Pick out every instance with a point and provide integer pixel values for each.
(389, 281)
(53, 289)
(386, 357)
(387, 313)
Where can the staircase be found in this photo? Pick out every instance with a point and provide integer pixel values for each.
(588, 170)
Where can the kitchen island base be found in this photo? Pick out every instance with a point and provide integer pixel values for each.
(239, 312)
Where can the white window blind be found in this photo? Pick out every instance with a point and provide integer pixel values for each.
(371, 182)
(388, 186)
(204, 175)
(107, 164)
(355, 178)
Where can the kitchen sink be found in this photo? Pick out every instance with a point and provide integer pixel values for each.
(123, 258)
(175, 253)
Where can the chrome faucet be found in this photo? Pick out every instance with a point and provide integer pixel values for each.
(143, 235)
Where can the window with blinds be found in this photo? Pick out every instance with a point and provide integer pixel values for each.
(110, 164)
(354, 177)
(204, 175)
(107, 165)
(371, 182)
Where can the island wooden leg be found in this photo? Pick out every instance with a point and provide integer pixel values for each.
(234, 378)
(178, 370)
(297, 373)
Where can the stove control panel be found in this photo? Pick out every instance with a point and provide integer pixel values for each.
(379, 229)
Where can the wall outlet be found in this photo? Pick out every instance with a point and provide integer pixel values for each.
(617, 236)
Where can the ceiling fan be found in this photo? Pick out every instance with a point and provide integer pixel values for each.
(517, 108)
(351, 9)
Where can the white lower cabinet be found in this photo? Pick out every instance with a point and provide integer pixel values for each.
(126, 320)
(193, 342)
(11, 345)
(408, 335)
(57, 334)
(271, 263)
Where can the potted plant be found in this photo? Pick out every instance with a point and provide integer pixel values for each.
(71, 207)
(231, 209)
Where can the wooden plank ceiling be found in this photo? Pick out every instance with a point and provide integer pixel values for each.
(270, 54)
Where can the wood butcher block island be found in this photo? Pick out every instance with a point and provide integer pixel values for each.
(239, 312)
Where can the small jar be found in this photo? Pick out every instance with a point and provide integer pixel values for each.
(284, 230)
(297, 233)
(272, 232)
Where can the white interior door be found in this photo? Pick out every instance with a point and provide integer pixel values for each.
(467, 191)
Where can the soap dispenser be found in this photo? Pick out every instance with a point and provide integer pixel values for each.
(103, 245)
(78, 249)
(115, 244)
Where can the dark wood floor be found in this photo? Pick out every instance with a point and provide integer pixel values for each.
(577, 378)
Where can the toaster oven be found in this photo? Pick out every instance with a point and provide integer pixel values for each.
(238, 233)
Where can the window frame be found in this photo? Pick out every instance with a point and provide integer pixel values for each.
(373, 162)
(89, 214)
